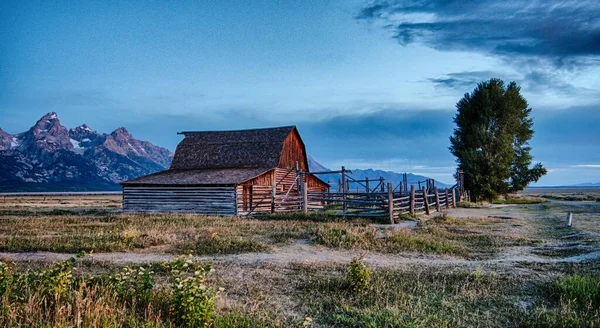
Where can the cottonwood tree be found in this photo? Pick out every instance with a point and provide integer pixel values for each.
(491, 140)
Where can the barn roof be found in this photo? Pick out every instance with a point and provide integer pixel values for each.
(198, 177)
(255, 148)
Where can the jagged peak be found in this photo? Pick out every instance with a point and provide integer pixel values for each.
(50, 116)
(121, 131)
(47, 121)
(83, 127)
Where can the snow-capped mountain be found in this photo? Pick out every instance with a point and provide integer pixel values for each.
(50, 157)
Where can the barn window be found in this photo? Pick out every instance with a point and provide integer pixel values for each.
(247, 197)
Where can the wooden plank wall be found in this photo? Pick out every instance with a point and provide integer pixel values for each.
(293, 152)
(286, 199)
(200, 200)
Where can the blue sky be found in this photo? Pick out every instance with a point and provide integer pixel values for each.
(369, 84)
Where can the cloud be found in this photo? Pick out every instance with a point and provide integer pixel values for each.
(467, 80)
(537, 80)
(587, 166)
(563, 32)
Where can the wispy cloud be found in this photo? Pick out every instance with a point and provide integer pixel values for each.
(565, 32)
(467, 80)
(587, 166)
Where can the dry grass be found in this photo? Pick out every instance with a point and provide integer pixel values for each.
(182, 234)
(282, 294)
(205, 235)
(109, 201)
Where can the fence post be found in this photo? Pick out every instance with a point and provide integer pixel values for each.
(391, 202)
(305, 197)
(367, 184)
(437, 200)
(381, 180)
(569, 220)
(343, 182)
(425, 200)
(412, 200)
(453, 198)
(447, 198)
(344, 204)
(273, 193)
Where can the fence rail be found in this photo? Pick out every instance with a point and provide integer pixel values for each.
(392, 204)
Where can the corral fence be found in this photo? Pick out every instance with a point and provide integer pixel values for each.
(391, 204)
(370, 198)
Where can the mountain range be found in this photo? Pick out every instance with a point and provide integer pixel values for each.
(588, 184)
(373, 175)
(50, 157)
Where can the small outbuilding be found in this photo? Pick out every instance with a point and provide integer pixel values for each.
(239, 172)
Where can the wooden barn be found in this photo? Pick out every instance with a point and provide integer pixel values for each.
(239, 172)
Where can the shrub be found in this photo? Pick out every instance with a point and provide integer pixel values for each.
(359, 275)
(56, 297)
(54, 283)
(133, 284)
(193, 301)
(6, 278)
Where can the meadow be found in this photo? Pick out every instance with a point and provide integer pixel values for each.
(490, 265)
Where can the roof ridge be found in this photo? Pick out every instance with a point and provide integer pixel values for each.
(240, 130)
(236, 142)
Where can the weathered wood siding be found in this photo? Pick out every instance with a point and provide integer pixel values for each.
(293, 151)
(256, 195)
(201, 200)
(316, 185)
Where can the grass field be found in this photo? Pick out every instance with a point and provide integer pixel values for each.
(512, 265)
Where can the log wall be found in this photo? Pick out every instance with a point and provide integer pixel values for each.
(210, 200)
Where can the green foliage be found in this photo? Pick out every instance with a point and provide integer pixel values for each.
(56, 297)
(7, 278)
(133, 284)
(582, 290)
(193, 301)
(491, 140)
(359, 274)
(55, 282)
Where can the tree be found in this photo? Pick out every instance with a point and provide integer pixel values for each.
(491, 140)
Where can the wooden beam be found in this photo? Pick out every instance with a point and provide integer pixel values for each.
(305, 198)
(344, 205)
(437, 200)
(426, 200)
(447, 198)
(412, 199)
(391, 202)
(273, 193)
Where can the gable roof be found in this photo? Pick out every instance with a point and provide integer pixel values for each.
(198, 177)
(254, 148)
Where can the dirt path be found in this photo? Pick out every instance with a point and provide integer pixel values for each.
(304, 252)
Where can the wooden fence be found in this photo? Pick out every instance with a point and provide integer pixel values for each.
(391, 204)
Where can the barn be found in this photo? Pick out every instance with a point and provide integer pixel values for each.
(241, 172)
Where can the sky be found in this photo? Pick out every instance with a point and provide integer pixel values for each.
(370, 84)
